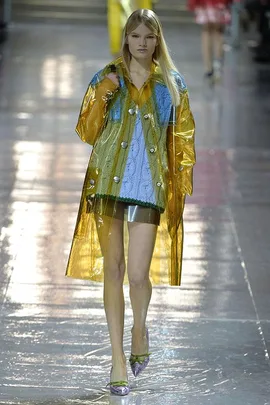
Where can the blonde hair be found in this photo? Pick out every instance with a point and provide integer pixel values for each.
(161, 54)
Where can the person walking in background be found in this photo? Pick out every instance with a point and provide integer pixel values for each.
(259, 11)
(212, 15)
(137, 117)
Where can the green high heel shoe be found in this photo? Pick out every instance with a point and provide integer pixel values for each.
(119, 387)
(138, 362)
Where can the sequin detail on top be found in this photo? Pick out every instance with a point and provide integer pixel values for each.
(137, 183)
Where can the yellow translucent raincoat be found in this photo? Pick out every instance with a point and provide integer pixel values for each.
(109, 120)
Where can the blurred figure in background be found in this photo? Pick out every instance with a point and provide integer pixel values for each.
(118, 12)
(3, 23)
(237, 19)
(259, 11)
(213, 15)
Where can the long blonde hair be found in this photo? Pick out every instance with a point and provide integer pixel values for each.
(161, 54)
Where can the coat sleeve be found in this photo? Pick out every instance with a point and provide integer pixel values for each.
(181, 146)
(94, 108)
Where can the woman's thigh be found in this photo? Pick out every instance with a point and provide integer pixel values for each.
(110, 233)
(141, 245)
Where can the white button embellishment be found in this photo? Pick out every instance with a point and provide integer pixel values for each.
(124, 145)
(116, 179)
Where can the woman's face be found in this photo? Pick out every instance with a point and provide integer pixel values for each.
(142, 42)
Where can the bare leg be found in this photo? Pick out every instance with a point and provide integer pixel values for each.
(218, 41)
(111, 241)
(218, 50)
(141, 245)
(207, 47)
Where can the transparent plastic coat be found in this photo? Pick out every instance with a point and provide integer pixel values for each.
(107, 121)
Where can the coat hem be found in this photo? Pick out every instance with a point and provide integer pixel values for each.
(132, 201)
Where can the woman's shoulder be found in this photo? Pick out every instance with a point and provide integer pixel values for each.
(100, 75)
(180, 81)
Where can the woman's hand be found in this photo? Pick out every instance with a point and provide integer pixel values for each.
(114, 78)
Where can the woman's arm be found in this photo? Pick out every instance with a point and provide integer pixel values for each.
(94, 108)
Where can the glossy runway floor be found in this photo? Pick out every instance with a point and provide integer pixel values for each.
(210, 339)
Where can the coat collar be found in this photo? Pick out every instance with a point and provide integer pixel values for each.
(155, 75)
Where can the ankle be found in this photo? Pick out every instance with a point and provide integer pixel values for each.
(139, 339)
(119, 360)
(138, 330)
(209, 73)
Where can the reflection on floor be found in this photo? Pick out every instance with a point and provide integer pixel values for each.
(210, 342)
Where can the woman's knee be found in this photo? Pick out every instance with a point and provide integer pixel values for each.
(114, 270)
(138, 280)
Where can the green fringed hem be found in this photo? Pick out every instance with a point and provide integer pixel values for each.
(132, 201)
